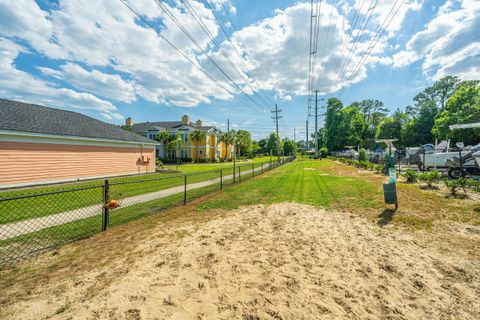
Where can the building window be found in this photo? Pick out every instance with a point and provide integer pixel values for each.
(184, 137)
(200, 151)
(183, 154)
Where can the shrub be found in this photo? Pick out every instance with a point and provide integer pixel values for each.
(411, 175)
(159, 163)
(473, 184)
(363, 164)
(362, 155)
(455, 184)
(323, 152)
(430, 177)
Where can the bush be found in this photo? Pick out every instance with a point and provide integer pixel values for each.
(363, 164)
(473, 184)
(158, 163)
(362, 155)
(379, 168)
(323, 152)
(411, 176)
(455, 184)
(430, 177)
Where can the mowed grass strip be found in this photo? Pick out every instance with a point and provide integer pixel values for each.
(310, 182)
(326, 183)
(195, 167)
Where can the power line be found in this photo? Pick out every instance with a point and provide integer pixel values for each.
(186, 57)
(363, 26)
(234, 47)
(182, 28)
(202, 25)
(380, 31)
(349, 37)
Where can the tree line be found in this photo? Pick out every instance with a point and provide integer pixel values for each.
(448, 101)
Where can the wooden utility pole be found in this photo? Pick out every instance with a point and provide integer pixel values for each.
(306, 127)
(316, 124)
(276, 117)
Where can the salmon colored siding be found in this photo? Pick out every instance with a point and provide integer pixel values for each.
(24, 162)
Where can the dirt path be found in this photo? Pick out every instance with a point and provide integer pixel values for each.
(284, 261)
(15, 229)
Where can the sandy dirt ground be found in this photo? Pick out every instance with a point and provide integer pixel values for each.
(283, 261)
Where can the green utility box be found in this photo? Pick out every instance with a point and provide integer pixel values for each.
(390, 193)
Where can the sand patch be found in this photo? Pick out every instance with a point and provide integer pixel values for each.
(283, 261)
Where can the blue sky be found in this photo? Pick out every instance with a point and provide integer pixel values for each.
(103, 61)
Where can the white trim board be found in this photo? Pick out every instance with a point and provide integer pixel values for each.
(31, 137)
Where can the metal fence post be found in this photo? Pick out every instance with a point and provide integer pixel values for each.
(234, 173)
(253, 170)
(185, 191)
(221, 179)
(423, 162)
(239, 175)
(106, 209)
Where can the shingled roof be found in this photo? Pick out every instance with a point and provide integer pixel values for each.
(25, 117)
(142, 127)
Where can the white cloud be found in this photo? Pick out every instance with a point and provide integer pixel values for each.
(110, 86)
(449, 44)
(105, 35)
(17, 84)
(386, 9)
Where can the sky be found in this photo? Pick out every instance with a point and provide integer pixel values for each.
(215, 60)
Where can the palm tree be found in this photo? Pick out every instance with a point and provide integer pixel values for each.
(228, 138)
(197, 135)
(165, 138)
(175, 142)
(243, 140)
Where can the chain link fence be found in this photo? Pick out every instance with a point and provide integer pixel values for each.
(33, 220)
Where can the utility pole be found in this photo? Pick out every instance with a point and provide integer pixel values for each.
(316, 124)
(276, 117)
(228, 125)
(306, 126)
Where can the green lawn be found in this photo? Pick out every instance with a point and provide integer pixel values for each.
(195, 167)
(310, 182)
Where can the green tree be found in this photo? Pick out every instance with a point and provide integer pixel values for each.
(244, 141)
(373, 112)
(391, 127)
(166, 138)
(198, 136)
(462, 107)
(289, 147)
(255, 149)
(408, 136)
(228, 138)
(174, 144)
(443, 89)
(334, 106)
(272, 142)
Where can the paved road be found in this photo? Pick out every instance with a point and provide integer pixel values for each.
(11, 230)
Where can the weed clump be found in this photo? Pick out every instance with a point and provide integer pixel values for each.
(431, 178)
(411, 176)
